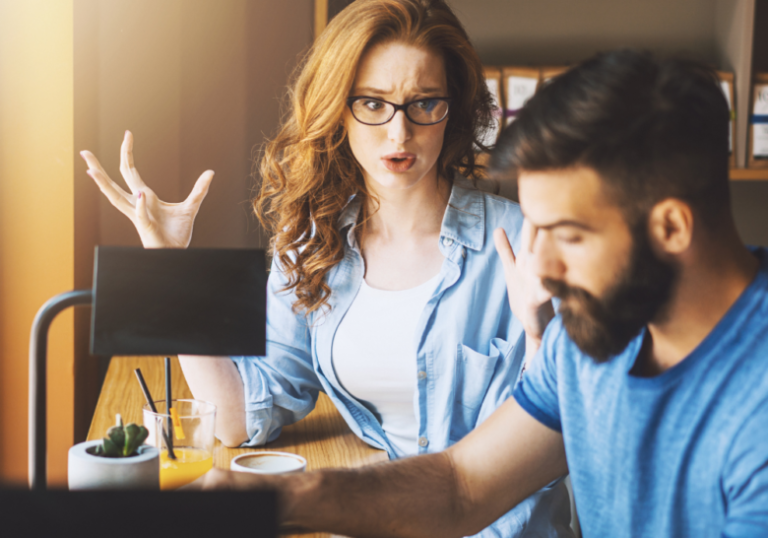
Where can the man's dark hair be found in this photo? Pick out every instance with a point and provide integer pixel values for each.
(652, 129)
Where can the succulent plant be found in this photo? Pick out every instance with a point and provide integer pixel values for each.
(121, 441)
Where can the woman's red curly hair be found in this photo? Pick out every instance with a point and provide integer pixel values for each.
(308, 172)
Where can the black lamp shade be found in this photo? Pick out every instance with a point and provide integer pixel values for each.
(175, 301)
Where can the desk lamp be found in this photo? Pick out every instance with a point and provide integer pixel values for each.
(155, 302)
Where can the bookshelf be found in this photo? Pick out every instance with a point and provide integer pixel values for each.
(725, 33)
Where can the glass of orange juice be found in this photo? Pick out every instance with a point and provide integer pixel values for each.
(191, 435)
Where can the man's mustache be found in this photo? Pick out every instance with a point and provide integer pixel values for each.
(590, 304)
(561, 290)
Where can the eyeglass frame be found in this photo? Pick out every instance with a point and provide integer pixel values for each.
(403, 107)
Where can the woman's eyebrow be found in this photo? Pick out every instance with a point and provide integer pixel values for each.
(377, 91)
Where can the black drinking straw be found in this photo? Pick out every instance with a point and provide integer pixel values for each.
(168, 401)
(151, 403)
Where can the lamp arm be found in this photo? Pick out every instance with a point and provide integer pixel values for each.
(38, 349)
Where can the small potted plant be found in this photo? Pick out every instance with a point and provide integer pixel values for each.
(118, 461)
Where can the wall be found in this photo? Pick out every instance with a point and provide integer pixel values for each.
(36, 219)
(198, 82)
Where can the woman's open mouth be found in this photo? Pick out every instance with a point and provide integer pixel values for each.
(399, 162)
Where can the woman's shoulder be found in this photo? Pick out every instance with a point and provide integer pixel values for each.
(498, 210)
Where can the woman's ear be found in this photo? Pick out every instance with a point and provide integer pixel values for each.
(670, 226)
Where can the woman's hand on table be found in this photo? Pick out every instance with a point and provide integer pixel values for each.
(160, 224)
(529, 300)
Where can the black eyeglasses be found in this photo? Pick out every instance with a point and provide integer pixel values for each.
(372, 111)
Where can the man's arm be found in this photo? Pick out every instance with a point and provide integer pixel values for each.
(457, 492)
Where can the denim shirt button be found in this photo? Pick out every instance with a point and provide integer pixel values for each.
(447, 241)
(422, 375)
(423, 441)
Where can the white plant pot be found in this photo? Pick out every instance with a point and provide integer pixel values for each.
(87, 471)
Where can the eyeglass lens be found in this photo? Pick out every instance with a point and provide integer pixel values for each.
(376, 112)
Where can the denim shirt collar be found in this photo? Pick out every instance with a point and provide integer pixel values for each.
(463, 222)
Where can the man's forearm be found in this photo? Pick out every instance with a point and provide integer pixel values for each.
(457, 492)
(418, 496)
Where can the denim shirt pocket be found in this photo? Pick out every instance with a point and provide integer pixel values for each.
(474, 373)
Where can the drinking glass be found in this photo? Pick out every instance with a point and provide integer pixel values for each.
(191, 440)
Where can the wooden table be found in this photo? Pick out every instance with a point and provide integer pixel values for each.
(323, 437)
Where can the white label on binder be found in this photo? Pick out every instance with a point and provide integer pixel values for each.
(488, 138)
(760, 130)
(519, 90)
(727, 91)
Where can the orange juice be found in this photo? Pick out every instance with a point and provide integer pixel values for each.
(190, 464)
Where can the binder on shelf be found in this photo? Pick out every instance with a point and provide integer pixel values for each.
(493, 81)
(548, 73)
(520, 84)
(758, 124)
(727, 85)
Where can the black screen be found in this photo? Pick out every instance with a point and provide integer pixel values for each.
(175, 301)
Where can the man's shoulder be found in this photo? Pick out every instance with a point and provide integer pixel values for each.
(750, 312)
(761, 279)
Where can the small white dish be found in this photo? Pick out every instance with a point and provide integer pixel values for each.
(268, 462)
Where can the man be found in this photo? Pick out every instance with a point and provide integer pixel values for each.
(651, 385)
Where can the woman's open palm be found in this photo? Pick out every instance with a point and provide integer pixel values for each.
(160, 224)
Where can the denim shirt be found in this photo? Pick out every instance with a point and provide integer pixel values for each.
(470, 350)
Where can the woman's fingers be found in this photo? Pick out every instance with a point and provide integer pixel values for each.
(94, 165)
(142, 215)
(503, 248)
(116, 196)
(127, 169)
(200, 190)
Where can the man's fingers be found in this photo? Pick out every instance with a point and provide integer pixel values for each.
(200, 190)
(127, 169)
(503, 247)
(527, 234)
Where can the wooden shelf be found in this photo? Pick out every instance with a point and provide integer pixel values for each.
(749, 174)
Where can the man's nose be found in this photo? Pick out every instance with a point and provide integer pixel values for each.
(544, 257)
(399, 128)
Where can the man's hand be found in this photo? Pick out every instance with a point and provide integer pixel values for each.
(530, 302)
(222, 479)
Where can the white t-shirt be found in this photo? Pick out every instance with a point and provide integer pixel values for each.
(374, 357)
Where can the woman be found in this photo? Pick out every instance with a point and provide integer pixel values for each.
(385, 292)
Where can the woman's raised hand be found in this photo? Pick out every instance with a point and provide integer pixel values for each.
(160, 224)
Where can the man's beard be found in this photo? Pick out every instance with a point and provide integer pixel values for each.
(603, 327)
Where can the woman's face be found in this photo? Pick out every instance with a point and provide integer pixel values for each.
(398, 154)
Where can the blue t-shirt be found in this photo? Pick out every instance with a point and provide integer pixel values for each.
(684, 453)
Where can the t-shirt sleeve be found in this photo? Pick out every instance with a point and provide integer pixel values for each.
(537, 390)
(745, 479)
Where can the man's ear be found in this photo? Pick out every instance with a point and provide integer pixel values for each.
(670, 226)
